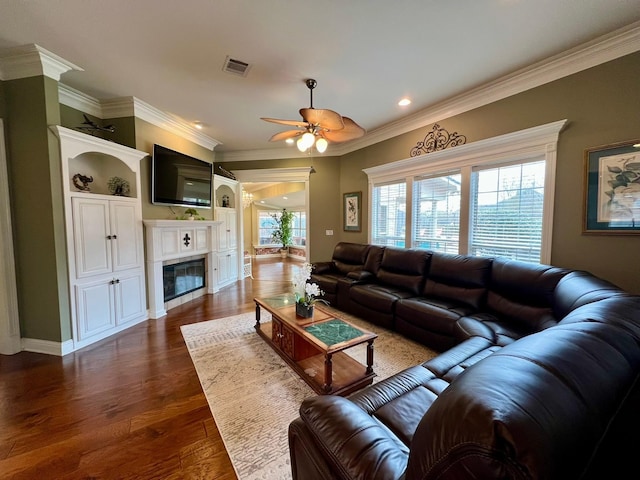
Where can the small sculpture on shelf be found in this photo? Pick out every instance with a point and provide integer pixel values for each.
(118, 186)
(225, 201)
(92, 127)
(81, 182)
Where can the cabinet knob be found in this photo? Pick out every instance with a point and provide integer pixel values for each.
(108, 237)
(114, 236)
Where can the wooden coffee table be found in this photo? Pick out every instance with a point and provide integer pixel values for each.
(315, 347)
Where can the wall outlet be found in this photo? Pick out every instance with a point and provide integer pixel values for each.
(328, 232)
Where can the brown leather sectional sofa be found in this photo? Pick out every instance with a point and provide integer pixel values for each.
(538, 376)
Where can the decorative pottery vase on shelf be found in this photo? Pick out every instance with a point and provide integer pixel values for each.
(304, 311)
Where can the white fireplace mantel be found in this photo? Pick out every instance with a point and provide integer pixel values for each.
(173, 240)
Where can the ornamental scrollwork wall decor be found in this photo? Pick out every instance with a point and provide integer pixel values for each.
(438, 139)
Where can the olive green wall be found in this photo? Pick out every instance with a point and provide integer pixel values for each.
(37, 215)
(124, 133)
(601, 105)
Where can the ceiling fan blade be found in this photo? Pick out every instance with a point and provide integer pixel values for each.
(350, 131)
(286, 134)
(292, 123)
(327, 119)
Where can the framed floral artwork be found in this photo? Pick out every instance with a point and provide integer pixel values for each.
(612, 189)
(352, 211)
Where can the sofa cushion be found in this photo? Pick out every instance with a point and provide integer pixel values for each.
(404, 268)
(377, 297)
(522, 293)
(348, 257)
(458, 277)
(433, 314)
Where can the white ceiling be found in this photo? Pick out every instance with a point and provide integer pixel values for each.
(365, 54)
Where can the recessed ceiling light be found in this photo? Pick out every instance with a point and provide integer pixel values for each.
(285, 198)
(198, 125)
(404, 102)
(289, 141)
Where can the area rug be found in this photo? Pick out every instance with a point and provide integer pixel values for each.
(254, 395)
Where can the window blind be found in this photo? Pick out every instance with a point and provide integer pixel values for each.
(436, 212)
(389, 209)
(507, 211)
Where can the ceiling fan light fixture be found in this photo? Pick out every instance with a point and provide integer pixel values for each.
(321, 145)
(306, 141)
(301, 146)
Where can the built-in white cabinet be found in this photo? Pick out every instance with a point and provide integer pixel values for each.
(104, 235)
(105, 304)
(107, 235)
(110, 288)
(227, 257)
(228, 231)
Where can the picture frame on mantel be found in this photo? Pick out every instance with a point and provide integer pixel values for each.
(352, 203)
(612, 189)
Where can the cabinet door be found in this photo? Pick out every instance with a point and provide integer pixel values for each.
(232, 230)
(126, 235)
(95, 312)
(223, 268)
(90, 236)
(276, 333)
(232, 255)
(288, 342)
(223, 228)
(130, 300)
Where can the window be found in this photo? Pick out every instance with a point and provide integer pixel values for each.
(507, 211)
(267, 224)
(436, 213)
(389, 214)
(492, 197)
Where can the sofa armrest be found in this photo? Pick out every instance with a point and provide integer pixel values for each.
(353, 443)
(323, 267)
(361, 276)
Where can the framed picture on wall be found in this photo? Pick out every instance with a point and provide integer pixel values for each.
(352, 211)
(612, 189)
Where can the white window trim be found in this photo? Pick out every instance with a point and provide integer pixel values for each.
(535, 142)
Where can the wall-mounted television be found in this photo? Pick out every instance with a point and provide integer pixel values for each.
(178, 179)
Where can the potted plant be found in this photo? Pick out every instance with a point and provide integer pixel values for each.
(190, 214)
(283, 232)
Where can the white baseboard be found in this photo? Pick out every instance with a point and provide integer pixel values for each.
(47, 346)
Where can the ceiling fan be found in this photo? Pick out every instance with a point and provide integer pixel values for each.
(318, 126)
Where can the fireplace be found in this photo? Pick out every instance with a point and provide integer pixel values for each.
(181, 278)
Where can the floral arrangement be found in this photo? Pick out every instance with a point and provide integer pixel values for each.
(306, 293)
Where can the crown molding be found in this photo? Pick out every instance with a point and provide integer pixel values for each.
(133, 107)
(273, 153)
(80, 101)
(608, 47)
(275, 175)
(32, 60)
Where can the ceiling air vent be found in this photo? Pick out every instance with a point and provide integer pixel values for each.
(237, 67)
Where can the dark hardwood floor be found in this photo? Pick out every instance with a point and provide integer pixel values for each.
(127, 407)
